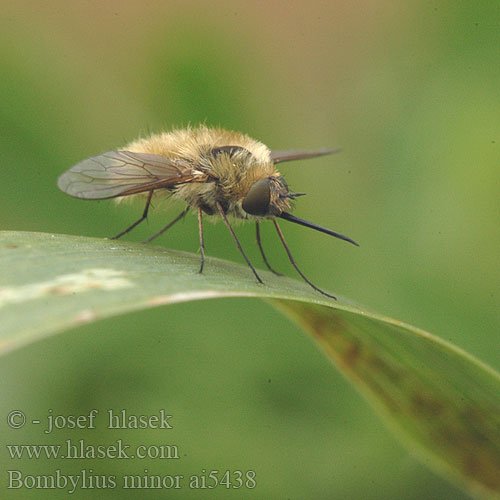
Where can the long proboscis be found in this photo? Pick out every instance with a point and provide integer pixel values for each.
(302, 222)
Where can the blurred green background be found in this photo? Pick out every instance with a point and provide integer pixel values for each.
(411, 93)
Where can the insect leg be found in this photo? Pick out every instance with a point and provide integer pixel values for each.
(292, 261)
(259, 243)
(144, 215)
(202, 240)
(224, 218)
(168, 226)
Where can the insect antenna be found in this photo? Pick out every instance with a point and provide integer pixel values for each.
(292, 261)
(306, 223)
(168, 226)
(226, 221)
(259, 243)
(137, 222)
(279, 156)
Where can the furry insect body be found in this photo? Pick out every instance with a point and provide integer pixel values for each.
(225, 166)
(216, 172)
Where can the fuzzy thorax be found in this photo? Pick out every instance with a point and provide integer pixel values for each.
(227, 164)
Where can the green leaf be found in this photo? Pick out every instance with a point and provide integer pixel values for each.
(444, 404)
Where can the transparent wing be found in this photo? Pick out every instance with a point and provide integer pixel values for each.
(294, 154)
(120, 173)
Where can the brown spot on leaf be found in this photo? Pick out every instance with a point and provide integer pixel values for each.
(351, 355)
(424, 404)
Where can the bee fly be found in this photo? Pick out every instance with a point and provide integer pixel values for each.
(216, 172)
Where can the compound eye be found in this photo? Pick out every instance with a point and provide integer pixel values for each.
(257, 200)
